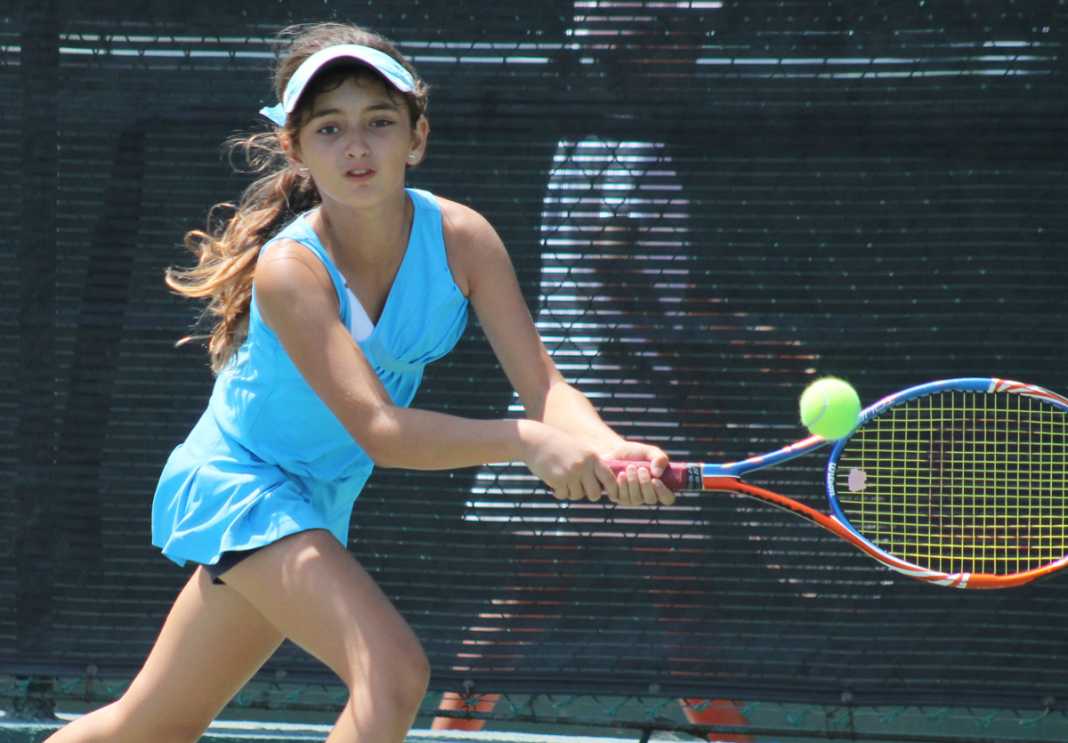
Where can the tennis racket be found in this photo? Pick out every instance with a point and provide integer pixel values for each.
(960, 483)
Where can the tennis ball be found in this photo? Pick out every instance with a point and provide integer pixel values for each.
(830, 408)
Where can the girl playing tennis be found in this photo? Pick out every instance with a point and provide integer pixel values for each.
(334, 286)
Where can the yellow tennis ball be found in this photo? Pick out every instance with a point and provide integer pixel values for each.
(830, 408)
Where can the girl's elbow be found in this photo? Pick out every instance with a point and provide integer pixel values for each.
(384, 457)
(379, 440)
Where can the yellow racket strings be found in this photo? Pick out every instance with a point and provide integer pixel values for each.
(961, 482)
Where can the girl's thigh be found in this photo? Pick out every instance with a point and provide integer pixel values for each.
(316, 594)
(212, 642)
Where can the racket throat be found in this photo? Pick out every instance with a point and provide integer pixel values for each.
(715, 479)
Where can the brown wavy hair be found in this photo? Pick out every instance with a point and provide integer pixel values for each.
(227, 249)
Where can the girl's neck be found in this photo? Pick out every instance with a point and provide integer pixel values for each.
(374, 236)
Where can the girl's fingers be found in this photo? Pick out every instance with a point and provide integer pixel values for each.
(591, 486)
(645, 484)
(607, 481)
(638, 486)
(633, 487)
(664, 494)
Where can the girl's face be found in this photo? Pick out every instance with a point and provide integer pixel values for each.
(358, 142)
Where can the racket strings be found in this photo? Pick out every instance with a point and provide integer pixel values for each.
(961, 482)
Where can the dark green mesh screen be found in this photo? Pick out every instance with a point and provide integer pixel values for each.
(708, 203)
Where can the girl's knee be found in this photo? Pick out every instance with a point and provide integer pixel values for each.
(401, 677)
(417, 672)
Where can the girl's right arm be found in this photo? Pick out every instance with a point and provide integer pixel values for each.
(297, 301)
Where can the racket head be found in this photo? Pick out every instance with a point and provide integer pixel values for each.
(959, 482)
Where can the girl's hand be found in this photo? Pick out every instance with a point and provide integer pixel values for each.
(639, 485)
(571, 468)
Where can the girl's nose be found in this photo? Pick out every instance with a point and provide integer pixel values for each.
(356, 148)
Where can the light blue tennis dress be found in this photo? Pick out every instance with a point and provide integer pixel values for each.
(267, 458)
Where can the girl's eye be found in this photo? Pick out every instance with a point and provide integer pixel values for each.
(328, 129)
(382, 122)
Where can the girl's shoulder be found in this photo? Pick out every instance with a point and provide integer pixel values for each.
(459, 220)
(276, 268)
(472, 244)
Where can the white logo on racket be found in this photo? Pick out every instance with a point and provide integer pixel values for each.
(858, 480)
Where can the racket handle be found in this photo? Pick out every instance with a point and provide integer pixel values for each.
(676, 476)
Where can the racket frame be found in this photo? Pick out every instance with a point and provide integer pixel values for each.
(726, 478)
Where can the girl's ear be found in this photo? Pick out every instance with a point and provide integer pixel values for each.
(420, 137)
(291, 149)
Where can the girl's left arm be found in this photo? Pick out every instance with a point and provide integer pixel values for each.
(484, 272)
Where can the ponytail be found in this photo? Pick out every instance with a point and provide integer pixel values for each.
(226, 252)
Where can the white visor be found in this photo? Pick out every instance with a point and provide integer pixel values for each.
(389, 68)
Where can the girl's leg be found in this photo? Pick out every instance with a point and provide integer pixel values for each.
(317, 595)
(211, 644)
